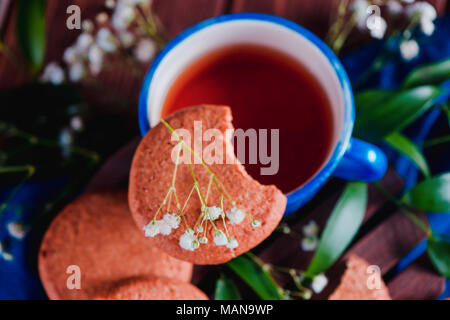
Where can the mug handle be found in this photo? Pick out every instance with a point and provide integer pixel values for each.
(362, 161)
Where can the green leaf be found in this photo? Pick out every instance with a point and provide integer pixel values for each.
(226, 290)
(371, 99)
(258, 279)
(406, 147)
(341, 228)
(394, 114)
(439, 253)
(432, 195)
(433, 73)
(31, 31)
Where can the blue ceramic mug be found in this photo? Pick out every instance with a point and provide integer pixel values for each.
(350, 158)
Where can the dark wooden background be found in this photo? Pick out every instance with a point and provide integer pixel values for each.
(386, 235)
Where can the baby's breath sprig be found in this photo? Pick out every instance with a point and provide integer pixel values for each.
(303, 289)
(209, 214)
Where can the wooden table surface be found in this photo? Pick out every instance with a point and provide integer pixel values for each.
(386, 235)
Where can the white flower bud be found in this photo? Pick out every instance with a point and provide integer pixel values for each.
(311, 229)
(423, 9)
(53, 73)
(95, 59)
(172, 219)
(16, 230)
(106, 40)
(256, 223)
(309, 243)
(409, 49)
(394, 7)
(319, 283)
(235, 215)
(110, 4)
(87, 26)
(84, 42)
(378, 27)
(76, 123)
(200, 229)
(123, 15)
(188, 240)
(427, 26)
(76, 71)
(204, 240)
(232, 243)
(359, 8)
(152, 229)
(220, 239)
(145, 50)
(164, 228)
(71, 55)
(7, 256)
(213, 213)
(127, 39)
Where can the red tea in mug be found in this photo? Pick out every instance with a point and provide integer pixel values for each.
(266, 89)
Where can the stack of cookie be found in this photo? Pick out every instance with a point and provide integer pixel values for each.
(94, 250)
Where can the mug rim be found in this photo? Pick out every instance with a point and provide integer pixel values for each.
(311, 185)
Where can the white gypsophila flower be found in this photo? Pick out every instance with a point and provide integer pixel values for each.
(110, 4)
(256, 223)
(220, 239)
(71, 55)
(164, 228)
(200, 229)
(319, 283)
(409, 49)
(16, 230)
(53, 73)
(126, 39)
(235, 215)
(65, 138)
(7, 256)
(95, 57)
(102, 18)
(378, 28)
(309, 243)
(427, 27)
(188, 240)
(83, 43)
(213, 213)
(203, 240)
(311, 229)
(424, 9)
(172, 219)
(152, 229)
(87, 26)
(359, 8)
(105, 40)
(232, 243)
(76, 123)
(394, 7)
(145, 50)
(76, 71)
(123, 15)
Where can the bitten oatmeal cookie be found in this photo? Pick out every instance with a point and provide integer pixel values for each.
(169, 197)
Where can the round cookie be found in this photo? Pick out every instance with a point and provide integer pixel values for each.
(153, 288)
(151, 177)
(97, 234)
(353, 284)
